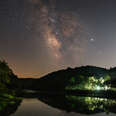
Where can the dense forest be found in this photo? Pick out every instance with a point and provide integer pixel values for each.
(80, 78)
(7, 89)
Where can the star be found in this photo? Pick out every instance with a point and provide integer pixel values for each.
(92, 40)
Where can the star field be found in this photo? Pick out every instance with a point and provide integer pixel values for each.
(41, 36)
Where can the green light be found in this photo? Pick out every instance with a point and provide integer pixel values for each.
(90, 83)
(98, 88)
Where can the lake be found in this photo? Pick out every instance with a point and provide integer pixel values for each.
(64, 105)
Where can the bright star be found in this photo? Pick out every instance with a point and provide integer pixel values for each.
(92, 40)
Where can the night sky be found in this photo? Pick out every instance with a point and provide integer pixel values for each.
(42, 36)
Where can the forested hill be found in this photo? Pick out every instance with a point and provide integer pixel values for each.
(60, 79)
(74, 78)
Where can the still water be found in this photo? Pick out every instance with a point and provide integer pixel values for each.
(65, 105)
(34, 107)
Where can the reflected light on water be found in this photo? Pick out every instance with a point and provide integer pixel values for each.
(34, 107)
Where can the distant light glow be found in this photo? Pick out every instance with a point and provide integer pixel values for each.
(106, 87)
(98, 88)
(92, 83)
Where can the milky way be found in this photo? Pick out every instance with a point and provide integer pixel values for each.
(42, 36)
(65, 38)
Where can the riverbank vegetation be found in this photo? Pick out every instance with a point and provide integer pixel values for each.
(7, 91)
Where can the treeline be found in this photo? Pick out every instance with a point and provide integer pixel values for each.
(80, 77)
(59, 80)
(56, 81)
(8, 90)
(7, 77)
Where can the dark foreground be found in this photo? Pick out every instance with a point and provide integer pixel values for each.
(85, 93)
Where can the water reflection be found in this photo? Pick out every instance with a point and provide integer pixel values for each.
(63, 105)
(83, 105)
